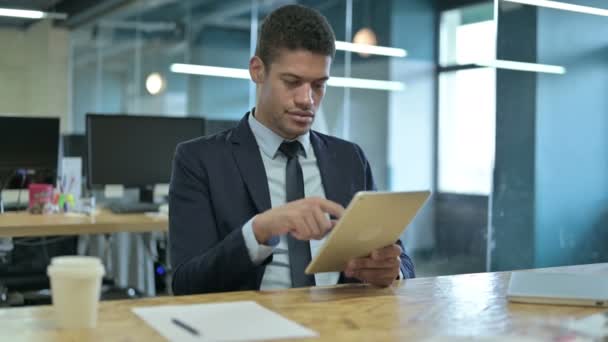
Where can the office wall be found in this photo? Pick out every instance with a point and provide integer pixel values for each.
(34, 71)
(13, 72)
(572, 139)
(412, 112)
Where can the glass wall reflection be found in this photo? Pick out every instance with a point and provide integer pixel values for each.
(550, 189)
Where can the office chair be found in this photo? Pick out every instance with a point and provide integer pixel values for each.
(23, 268)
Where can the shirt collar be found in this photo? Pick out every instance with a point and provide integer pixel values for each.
(269, 142)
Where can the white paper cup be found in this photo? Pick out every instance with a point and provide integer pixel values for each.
(76, 286)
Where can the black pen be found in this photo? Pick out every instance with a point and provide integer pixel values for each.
(185, 326)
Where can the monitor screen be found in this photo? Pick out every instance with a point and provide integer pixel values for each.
(28, 147)
(134, 150)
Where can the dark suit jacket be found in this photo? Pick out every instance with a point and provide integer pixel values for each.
(219, 183)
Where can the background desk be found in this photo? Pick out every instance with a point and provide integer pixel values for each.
(22, 224)
(469, 305)
(130, 266)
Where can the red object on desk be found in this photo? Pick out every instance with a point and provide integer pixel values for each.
(41, 198)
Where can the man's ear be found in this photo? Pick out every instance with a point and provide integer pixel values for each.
(257, 70)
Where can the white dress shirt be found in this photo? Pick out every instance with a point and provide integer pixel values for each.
(277, 274)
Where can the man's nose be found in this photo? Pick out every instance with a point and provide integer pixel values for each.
(304, 99)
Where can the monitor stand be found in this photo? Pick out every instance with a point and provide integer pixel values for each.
(146, 194)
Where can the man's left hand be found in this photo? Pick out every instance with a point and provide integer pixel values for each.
(380, 268)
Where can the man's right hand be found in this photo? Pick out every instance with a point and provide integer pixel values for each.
(305, 219)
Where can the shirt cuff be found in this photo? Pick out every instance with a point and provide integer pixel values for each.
(257, 252)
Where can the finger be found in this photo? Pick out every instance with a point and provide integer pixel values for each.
(288, 228)
(313, 226)
(369, 263)
(383, 282)
(387, 252)
(376, 277)
(322, 221)
(331, 208)
(289, 225)
(351, 267)
(301, 230)
(307, 229)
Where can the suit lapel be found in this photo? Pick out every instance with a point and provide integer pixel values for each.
(249, 161)
(333, 184)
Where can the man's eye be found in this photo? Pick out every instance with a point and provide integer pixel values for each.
(291, 83)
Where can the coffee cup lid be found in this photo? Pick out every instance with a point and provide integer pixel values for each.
(76, 266)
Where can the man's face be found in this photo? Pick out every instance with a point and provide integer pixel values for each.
(290, 90)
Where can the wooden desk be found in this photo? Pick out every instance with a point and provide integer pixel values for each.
(469, 305)
(22, 224)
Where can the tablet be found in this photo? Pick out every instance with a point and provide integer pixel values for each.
(371, 221)
(558, 288)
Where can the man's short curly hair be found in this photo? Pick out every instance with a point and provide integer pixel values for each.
(294, 27)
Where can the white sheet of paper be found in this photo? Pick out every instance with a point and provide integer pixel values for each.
(230, 321)
(505, 338)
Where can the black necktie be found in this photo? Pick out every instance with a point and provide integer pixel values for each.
(299, 251)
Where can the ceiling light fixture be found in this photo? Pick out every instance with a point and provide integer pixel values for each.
(29, 14)
(155, 83)
(371, 49)
(563, 6)
(522, 66)
(345, 82)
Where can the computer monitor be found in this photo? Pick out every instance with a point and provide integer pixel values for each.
(134, 150)
(29, 151)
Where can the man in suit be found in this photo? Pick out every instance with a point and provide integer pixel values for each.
(249, 205)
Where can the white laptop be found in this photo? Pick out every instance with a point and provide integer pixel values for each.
(558, 288)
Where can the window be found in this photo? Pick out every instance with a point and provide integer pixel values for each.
(466, 132)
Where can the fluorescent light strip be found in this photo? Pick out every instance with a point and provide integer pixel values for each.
(360, 83)
(206, 70)
(7, 12)
(29, 14)
(563, 6)
(370, 49)
(521, 66)
(345, 82)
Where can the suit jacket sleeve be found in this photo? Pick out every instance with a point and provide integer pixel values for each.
(202, 260)
(407, 266)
